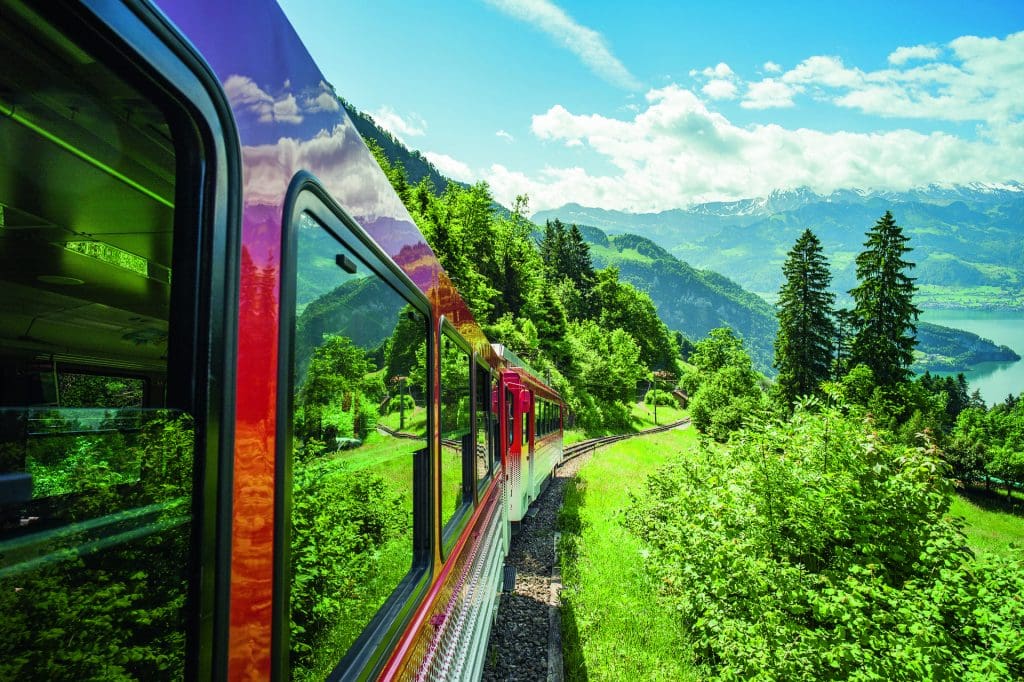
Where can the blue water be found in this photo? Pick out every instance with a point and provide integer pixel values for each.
(995, 380)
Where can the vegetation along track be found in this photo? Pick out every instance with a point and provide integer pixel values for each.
(576, 449)
(525, 644)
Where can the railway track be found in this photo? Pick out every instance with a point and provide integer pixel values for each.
(570, 452)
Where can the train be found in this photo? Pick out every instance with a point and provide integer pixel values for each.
(249, 429)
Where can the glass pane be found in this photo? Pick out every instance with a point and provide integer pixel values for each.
(359, 382)
(484, 419)
(455, 425)
(96, 470)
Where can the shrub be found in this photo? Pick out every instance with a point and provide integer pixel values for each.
(811, 549)
(659, 397)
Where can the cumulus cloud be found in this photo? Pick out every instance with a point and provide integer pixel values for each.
(719, 89)
(505, 135)
(771, 67)
(677, 151)
(284, 107)
(981, 81)
(586, 43)
(334, 156)
(450, 167)
(401, 127)
(902, 55)
(769, 94)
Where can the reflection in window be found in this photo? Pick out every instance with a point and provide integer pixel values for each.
(455, 425)
(360, 413)
(96, 471)
(485, 422)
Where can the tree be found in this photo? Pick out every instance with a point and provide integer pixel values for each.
(884, 309)
(803, 345)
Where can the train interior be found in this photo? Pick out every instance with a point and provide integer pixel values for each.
(95, 471)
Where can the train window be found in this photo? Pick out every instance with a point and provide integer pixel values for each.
(96, 467)
(358, 386)
(526, 427)
(456, 431)
(485, 422)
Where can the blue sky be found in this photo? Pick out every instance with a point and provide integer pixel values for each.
(647, 106)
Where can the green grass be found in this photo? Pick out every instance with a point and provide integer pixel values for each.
(990, 531)
(641, 418)
(613, 626)
(643, 415)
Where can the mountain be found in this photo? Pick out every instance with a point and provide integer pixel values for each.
(688, 300)
(968, 241)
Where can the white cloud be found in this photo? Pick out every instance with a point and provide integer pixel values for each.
(769, 94)
(243, 91)
(904, 54)
(719, 89)
(401, 127)
(981, 81)
(453, 168)
(586, 43)
(677, 151)
(505, 135)
(323, 99)
(721, 70)
(771, 67)
(828, 71)
(284, 107)
(337, 157)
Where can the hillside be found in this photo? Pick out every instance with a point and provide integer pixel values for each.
(968, 241)
(696, 301)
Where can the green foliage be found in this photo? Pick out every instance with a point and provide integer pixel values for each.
(658, 397)
(884, 312)
(803, 346)
(621, 305)
(723, 387)
(812, 549)
(100, 594)
(342, 524)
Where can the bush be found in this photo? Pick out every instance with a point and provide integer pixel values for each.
(810, 549)
(658, 397)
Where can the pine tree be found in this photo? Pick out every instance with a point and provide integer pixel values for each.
(803, 346)
(884, 309)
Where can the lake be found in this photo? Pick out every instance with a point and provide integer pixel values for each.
(995, 380)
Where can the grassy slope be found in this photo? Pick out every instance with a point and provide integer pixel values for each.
(990, 531)
(613, 627)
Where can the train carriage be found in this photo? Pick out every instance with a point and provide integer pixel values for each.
(248, 427)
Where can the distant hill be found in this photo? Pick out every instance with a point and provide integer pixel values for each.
(968, 241)
(696, 301)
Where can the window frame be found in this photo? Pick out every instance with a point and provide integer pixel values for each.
(493, 428)
(370, 651)
(450, 531)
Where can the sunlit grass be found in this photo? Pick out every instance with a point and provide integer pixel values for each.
(990, 532)
(613, 626)
(641, 418)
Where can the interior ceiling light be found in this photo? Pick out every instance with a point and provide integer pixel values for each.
(60, 279)
(111, 255)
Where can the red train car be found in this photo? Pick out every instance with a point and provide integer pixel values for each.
(248, 427)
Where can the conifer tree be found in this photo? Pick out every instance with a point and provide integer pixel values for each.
(803, 346)
(884, 310)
